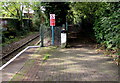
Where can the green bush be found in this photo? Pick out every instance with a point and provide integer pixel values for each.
(14, 30)
(107, 28)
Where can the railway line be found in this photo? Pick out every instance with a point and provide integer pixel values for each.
(10, 54)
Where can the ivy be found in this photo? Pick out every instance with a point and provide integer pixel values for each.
(107, 27)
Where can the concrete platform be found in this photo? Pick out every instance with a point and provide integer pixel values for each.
(9, 71)
(71, 64)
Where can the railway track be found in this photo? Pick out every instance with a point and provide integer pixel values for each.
(12, 53)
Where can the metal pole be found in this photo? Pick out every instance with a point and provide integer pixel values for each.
(66, 26)
(66, 34)
(52, 35)
(41, 35)
(63, 26)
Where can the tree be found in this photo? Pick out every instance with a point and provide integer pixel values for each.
(59, 9)
(107, 27)
(39, 19)
(13, 9)
(84, 14)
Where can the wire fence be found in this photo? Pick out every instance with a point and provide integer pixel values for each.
(47, 34)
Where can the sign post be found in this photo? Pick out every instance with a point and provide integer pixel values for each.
(52, 35)
(52, 24)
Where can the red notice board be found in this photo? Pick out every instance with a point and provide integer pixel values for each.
(52, 19)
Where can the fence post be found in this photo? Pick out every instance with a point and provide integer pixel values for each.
(66, 34)
(41, 35)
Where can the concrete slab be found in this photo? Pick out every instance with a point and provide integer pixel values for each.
(9, 71)
(73, 64)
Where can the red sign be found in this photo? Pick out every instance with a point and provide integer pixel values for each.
(52, 19)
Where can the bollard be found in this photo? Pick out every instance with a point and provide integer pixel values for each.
(63, 38)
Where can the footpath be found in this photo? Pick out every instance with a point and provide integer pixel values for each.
(56, 64)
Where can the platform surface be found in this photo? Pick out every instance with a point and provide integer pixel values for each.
(71, 64)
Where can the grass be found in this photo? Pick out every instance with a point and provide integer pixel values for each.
(47, 55)
(9, 41)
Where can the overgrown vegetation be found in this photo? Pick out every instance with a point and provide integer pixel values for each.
(102, 17)
(17, 24)
(97, 19)
(39, 17)
(107, 27)
(59, 9)
(12, 31)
